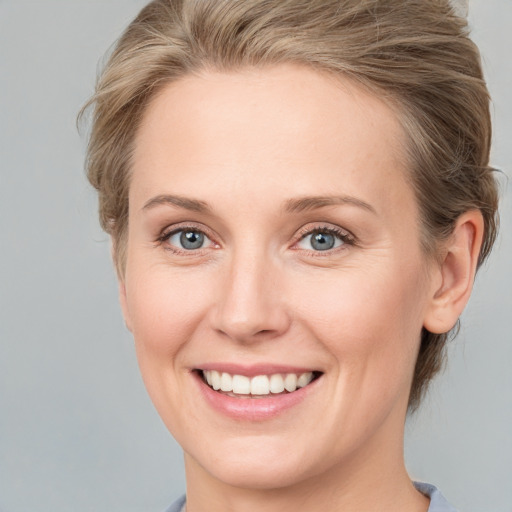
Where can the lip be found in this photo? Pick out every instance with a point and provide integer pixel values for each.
(253, 409)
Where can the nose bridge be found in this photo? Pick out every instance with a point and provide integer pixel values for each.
(249, 307)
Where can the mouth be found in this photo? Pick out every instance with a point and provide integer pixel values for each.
(258, 386)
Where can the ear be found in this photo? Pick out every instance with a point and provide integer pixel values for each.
(124, 305)
(455, 274)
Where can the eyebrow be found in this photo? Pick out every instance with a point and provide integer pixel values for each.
(193, 205)
(314, 202)
(298, 205)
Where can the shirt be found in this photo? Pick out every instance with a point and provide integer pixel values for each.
(438, 502)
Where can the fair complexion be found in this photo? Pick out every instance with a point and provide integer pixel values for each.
(272, 231)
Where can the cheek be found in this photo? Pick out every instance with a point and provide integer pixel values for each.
(369, 319)
(165, 308)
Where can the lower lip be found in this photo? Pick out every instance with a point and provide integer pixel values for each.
(253, 409)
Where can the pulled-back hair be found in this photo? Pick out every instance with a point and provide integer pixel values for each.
(414, 54)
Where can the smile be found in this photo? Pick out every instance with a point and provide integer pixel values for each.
(259, 385)
(257, 392)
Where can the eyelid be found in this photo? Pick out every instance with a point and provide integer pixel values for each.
(343, 234)
(167, 232)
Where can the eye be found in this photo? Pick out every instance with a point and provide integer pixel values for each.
(188, 239)
(323, 239)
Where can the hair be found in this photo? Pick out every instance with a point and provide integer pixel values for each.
(414, 54)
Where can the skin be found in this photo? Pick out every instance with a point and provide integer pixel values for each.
(246, 143)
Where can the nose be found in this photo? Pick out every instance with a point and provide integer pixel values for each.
(251, 305)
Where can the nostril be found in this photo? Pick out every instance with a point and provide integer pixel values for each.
(247, 331)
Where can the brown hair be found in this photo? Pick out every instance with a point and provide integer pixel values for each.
(415, 54)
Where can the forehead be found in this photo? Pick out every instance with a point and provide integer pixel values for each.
(255, 129)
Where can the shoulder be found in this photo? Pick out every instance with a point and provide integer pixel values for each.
(177, 505)
(438, 502)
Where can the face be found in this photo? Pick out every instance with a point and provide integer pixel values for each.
(274, 251)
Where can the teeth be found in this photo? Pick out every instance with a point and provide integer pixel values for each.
(215, 378)
(241, 385)
(290, 382)
(226, 382)
(259, 385)
(304, 379)
(276, 383)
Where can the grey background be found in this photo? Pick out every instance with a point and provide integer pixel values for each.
(77, 431)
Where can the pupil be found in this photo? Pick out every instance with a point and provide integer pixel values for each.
(191, 239)
(322, 241)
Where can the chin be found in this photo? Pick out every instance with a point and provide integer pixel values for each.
(262, 464)
(257, 474)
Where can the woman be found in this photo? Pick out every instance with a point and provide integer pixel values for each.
(299, 196)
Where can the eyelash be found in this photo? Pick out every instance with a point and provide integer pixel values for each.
(346, 237)
(167, 233)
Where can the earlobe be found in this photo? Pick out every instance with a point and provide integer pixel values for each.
(124, 305)
(456, 273)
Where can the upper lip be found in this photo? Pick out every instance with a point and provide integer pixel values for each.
(255, 369)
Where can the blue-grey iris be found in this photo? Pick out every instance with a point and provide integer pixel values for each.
(191, 240)
(322, 241)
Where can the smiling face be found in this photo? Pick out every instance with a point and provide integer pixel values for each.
(273, 237)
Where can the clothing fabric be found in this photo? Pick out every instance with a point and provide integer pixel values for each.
(177, 506)
(438, 502)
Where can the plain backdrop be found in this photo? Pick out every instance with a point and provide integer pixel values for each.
(77, 431)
